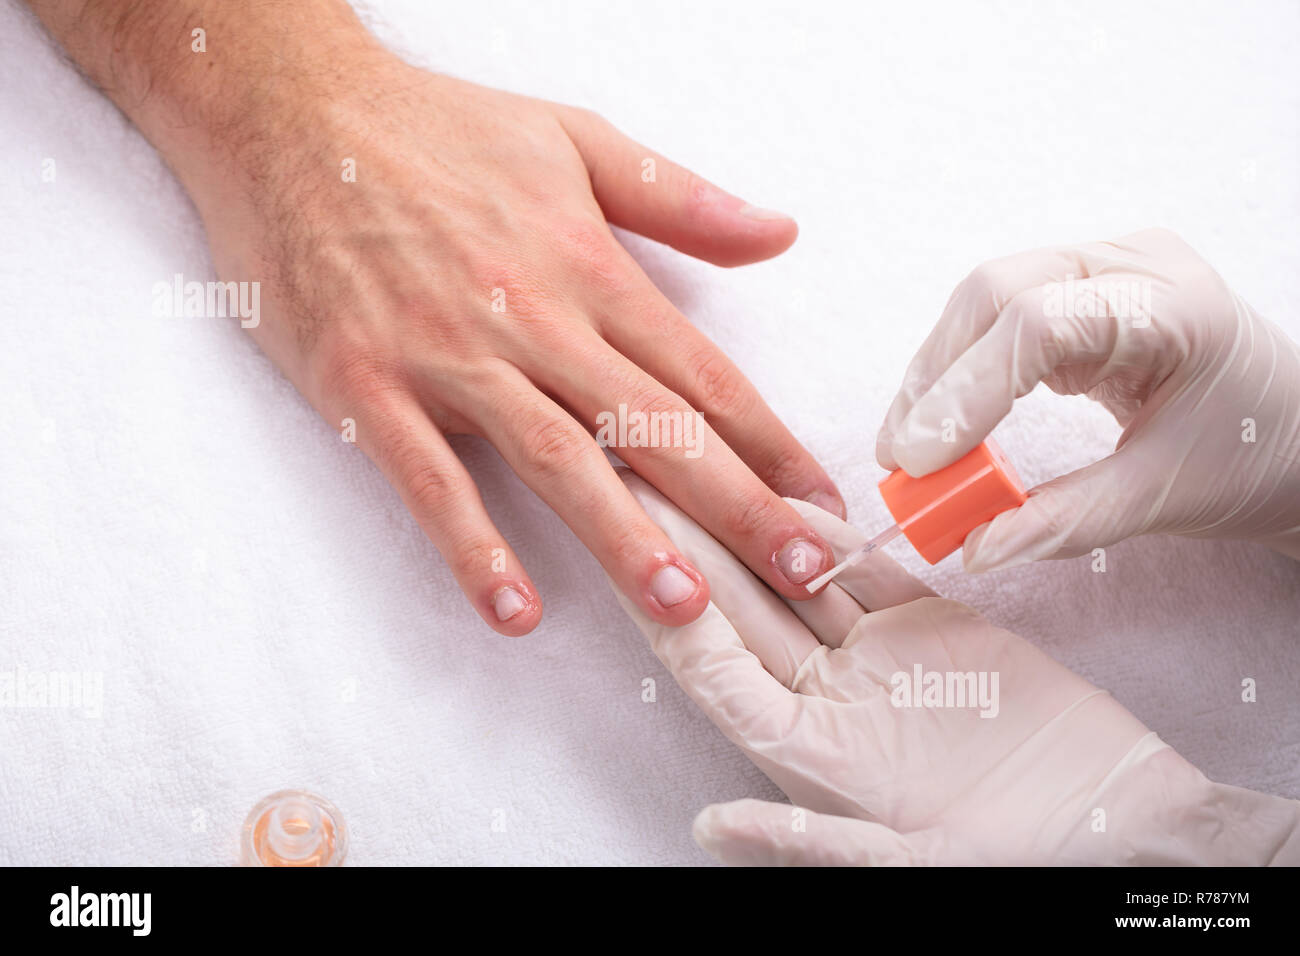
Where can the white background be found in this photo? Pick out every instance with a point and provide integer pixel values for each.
(177, 517)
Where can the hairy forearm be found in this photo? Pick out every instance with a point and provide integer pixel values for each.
(212, 79)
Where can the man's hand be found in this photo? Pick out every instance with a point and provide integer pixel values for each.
(435, 259)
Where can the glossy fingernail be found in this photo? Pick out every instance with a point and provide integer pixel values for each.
(827, 502)
(671, 585)
(800, 560)
(507, 603)
(761, 214)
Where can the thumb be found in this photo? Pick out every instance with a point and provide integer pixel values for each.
(758, 833)
(1066, 517)
(640, 190)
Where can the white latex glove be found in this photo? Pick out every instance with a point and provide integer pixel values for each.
(1144, 326)
(805, 690)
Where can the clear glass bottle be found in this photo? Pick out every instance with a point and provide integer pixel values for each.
(294, 828)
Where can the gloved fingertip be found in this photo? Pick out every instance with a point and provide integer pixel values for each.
(741, 833)
(704, 830)
(913, 459)
(991, 548)
(885, 450)
(919, 449)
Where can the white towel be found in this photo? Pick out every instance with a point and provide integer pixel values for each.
(264, 613)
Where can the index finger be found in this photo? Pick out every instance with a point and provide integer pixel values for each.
(971, 311)
(763, 623)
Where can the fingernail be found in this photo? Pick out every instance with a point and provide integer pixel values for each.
(507, 603)
(671, 585)
(827, 502)
(800, 560)
(761, 214)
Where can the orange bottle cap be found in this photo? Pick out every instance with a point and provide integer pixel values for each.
(936, 512)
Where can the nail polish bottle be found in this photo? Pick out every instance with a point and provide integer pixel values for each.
(294, 828)
(937, 511)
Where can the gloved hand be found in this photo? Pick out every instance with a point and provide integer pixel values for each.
(1208, 393)
(1044, 768)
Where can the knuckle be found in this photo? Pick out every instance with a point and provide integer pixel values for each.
(491, 270)
(628, 544)
(470, 559)
(1042, 329)
(555, 447)
(483, 376)
(1035, 309)
(358, 374)
(784, 468)
(721, 390)
(991, 282)
(656, 402)
(747, 515)
(433, 491)
(526, 302)
(588, 246)
(499, 282)
(984, 279)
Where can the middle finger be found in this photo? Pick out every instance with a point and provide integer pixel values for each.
(667, 442)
